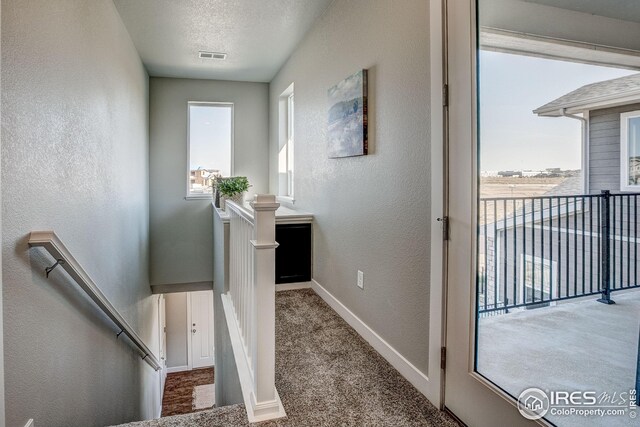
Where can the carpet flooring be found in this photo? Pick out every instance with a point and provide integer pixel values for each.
(326, 375)
(178, 390)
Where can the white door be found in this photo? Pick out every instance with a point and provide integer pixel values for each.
(469, 396)
(201, 328)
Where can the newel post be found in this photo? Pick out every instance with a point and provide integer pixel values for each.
(605, 232)
(264, 249)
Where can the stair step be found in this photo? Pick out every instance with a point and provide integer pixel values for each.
(232, 415)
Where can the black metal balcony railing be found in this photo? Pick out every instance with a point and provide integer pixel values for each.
(538, 250)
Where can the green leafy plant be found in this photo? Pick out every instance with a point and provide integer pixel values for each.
(232, 186)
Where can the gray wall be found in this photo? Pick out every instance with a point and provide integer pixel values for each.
(371, 212)
(604, 148)
(74, 160)
(176, 312)
(181, 234)
(2, 416)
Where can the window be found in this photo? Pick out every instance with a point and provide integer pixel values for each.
(537, 276)
(210, 147)
(630, 151)
(285, 156)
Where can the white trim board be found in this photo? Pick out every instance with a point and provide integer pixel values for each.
(412, 374)
(293, 286)
(173, 369)
(439, 154)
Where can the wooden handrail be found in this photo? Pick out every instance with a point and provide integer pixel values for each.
(52, 244)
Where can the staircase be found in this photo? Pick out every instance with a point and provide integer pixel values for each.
(234, 415)
(326, 375)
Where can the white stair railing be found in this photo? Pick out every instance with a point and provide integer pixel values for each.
(250, 304)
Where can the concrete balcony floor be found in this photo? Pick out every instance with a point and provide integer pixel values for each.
(585, 346)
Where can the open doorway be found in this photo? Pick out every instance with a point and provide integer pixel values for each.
(189, 386)
(549, 144)
(543, 211)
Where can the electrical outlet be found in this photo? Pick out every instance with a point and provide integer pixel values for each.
(360, 279)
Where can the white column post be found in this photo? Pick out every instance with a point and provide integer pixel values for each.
(264, 246)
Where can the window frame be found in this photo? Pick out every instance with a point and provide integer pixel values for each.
(290, 143)
(206, 196)
(624, 151)
(543, 262)
(286, 141)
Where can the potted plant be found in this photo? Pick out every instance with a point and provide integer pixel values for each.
(232, 188)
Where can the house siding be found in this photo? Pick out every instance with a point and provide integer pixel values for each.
(604, 147)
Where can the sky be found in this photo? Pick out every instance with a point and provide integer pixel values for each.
(210, 138)
(511, 87)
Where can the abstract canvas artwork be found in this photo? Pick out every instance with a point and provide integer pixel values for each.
(347, 133)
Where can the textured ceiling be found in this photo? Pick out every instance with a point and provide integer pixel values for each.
(626, 10)
(257, 35)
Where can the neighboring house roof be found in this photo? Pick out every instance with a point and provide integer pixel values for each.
(571, 186)
(620, 91)
(561, 206)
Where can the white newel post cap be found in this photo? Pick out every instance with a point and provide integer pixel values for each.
(264, 213)
(264, 202)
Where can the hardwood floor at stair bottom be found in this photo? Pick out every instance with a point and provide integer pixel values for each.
(178, 390)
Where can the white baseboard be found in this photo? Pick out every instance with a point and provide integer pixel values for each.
(412, 374)
(292, 286)
(173, 369)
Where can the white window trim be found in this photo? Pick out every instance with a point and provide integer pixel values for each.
(286, 199)
(190, 196)
(290, 142)
(536, 260)
(286, 130)
(624, 151)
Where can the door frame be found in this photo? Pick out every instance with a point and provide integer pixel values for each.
(189, 337)
(162, 341)
(464, 390)
(437, 275)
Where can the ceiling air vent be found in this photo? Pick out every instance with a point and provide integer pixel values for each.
(212, 55)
